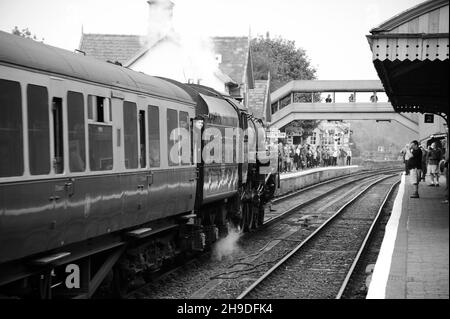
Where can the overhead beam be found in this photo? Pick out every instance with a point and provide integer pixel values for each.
(340, 111)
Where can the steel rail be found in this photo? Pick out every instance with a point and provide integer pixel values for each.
(312, 200)
(365, 241)
(309, 238)
(331, 180)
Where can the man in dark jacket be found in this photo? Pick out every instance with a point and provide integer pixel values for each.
(424, 162)
(415, 167)
(434, 156)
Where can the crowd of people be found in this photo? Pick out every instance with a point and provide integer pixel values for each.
(421, 161)
(302, 156)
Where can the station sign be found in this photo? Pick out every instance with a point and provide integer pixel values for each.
(274, 133)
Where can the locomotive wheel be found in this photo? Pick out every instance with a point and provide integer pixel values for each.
(246, 221)
(260, 214)
(254, 219)
(249, 217)
(241, 222)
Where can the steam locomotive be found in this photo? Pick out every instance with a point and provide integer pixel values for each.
(89, 184)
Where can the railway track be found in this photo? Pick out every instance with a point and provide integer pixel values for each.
(314, 193)
(212, 284)
(314, 268)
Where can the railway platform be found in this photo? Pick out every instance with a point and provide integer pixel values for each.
(292, 181)
(413, 262)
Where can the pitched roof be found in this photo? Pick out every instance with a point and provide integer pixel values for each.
(414, 13)
(112, 47)
(234, 52)
(122, 48)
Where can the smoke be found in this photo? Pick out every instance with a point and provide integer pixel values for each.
(183, 55)
(228, 246)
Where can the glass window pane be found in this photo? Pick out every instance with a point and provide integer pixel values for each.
(58, 135)
(11, 142)
(130, 131)
(142, 137)
(90, 107)
(77, 150)
(184, 123)
(172, 136)
(100, 147)
(38, 129)
(153, 135)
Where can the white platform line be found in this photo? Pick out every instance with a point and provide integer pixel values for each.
(380, 276)
(314, 170)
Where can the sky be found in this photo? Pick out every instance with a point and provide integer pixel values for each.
(332, 32)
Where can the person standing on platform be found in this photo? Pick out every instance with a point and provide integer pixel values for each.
(424, 162)
(297, 158)
(335, 157)
(349, 156)
(405, 155)
(328, 99)
(415, 167)
(434, 156)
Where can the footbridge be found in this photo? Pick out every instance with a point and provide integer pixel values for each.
(335, 100)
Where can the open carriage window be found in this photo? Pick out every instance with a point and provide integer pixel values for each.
(99, 109)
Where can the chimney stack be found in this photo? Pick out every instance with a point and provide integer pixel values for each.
(159, 20)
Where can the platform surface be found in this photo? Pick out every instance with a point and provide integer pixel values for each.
(413, 262)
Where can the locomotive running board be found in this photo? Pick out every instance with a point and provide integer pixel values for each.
(146, 231)
(49, 259)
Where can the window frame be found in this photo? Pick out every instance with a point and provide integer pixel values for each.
(22, 129)
(50, 138)
(149, 130)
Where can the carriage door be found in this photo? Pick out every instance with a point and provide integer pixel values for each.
(143, 185)
(58, 139)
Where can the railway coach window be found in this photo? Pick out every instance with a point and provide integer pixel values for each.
(172, 137)
(99, 109)
(58, 139)
(143, 151)
(184, 123)
(11, 141)
(130, 134)
(153, 136)
(38, 129)
(75, 113)
(100, 147)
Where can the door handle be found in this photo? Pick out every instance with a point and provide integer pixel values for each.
(150, 179)
(54, 198)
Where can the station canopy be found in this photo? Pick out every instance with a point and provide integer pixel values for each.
(411, 54)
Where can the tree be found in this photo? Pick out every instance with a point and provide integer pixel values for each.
(285, 62)
(282, 58)
(25, 33)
